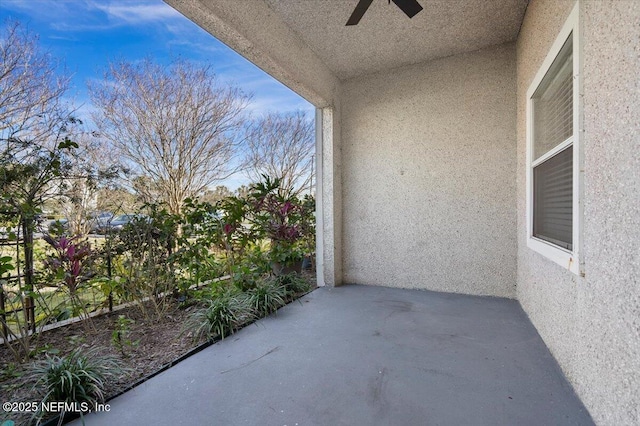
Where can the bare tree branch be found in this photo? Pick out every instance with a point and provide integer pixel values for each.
(177, 125)
(33, 119)
(281, 146)
(31, 89)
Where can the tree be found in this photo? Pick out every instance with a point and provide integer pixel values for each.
(219, 193)
(93, 169)
(34, 121)
(281, 146)
(36, 128)
(146, 190)
(31, 88)
(242, 191)
(117, 200)
(176, 125)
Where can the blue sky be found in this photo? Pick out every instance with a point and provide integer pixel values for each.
(86, 34)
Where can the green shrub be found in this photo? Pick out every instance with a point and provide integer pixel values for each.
(222, 316)
(121, 335)
(266, 298)
(244, 277)
(294, 284)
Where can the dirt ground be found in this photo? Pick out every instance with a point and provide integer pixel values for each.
(155, 343)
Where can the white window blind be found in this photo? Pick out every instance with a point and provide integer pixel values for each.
(553, 104)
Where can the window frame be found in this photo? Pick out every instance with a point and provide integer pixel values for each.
(569, 259)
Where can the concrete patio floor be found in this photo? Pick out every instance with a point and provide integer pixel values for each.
(359, 355)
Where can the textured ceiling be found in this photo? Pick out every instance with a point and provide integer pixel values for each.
(386, 38)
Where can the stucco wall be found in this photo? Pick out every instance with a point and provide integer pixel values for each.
(428, 175)
(592, 324)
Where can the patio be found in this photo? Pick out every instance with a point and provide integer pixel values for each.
(363, 355)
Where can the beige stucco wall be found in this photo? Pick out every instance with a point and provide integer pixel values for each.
(428, 175)
(592, 324)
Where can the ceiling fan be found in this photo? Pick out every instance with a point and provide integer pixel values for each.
(409, 7)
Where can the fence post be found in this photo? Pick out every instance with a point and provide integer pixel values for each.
(108, 236)
(3, 315)
(27, 243)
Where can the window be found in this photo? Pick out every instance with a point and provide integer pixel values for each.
(553, 152)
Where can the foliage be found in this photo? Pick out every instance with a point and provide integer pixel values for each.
(308, 224)
(200, 234)
(70, 267)
(6, 265)
(234, 232)
(178, 248)
(218, 194)
(121, 335)
(28, 171)
(69, 263)
(221, 317)
(281, 217)
(116, 199)
(266, 298)
(146, 271)
(93, 169)
(294, 284)
(251, 267)
(36, 137)
(11, 371)
(77, 377)
(21, 340)
(184, 244)
(230, 234)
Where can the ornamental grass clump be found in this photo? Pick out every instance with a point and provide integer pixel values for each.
(221, 317)
(77, 378)
(294, 284)
(266, 298)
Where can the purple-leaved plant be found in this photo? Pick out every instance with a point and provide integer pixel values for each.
(69, 259)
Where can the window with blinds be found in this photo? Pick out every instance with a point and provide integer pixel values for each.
(553, 199)
(553, 152)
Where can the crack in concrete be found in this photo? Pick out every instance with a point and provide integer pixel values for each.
(270, 351)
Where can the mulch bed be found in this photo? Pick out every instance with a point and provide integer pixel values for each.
(160, 341)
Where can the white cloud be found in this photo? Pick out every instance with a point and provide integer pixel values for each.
(265, 102)
(63, 38)
(138, 12)
(82, 15)
(202, 47)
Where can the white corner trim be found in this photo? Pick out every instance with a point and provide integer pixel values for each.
(319, 201)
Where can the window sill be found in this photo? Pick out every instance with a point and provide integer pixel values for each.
(562, 257)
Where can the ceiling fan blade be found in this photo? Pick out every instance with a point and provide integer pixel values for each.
(409, 7)
(359, 11)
